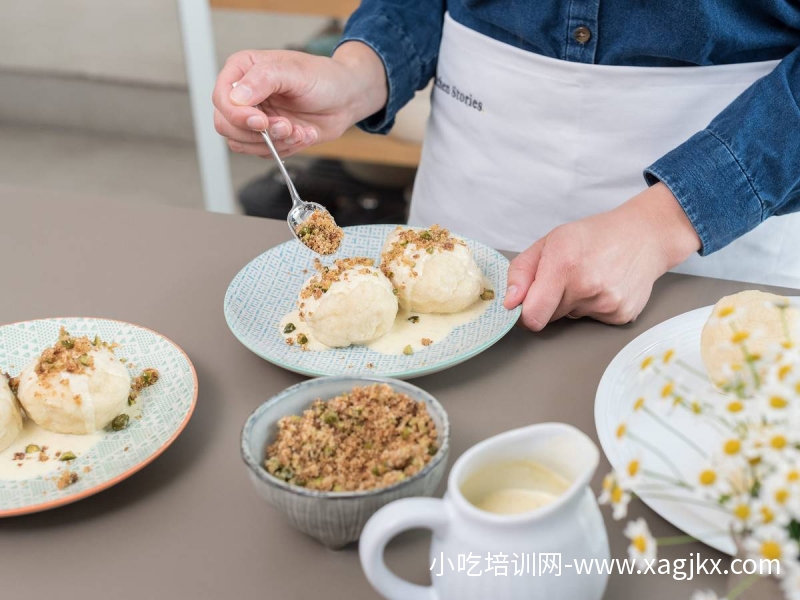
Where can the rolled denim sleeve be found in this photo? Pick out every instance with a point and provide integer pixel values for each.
(745, 166)
(405, 34)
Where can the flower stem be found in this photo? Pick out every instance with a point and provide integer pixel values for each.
(675, 432)
(746, 583)
(691, 369)
(702, 503)
(665, 459)
(675, 540)
(666, 478)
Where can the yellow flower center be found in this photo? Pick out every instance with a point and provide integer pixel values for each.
(742, 512)
(621, 430)
(732, 447)
(778, 402)
(647, 362)
(781, 496)
(633, 468)
(735, 406)
(797, 388)
(725, 311)
(787, 344)
(640, 543)
(616, 495)
(608, 482)
(767, 515)
(793, 475)
(696, 408)
(778, 442)
(739, 337)
(639, 404)
(784, 371)
(771, 550)
(708, 477)
(667, 390)
(669, 355)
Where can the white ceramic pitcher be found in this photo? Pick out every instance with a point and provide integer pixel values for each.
(571, 528)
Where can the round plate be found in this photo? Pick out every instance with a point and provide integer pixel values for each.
(622, 384)
(166, 408)
(264, 291)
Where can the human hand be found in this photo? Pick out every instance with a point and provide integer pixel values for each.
(603, 266)
(304, 99)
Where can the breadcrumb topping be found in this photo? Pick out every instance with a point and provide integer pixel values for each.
(433, 239)
(371, 437)
(70, 354)
(327, 276)
(320, 232)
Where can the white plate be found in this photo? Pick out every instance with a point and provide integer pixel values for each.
(266, 289)
(619, 388)
(165, 409)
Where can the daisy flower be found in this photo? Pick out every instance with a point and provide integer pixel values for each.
(614, 494)
(632, 474)
(742, 510)
(771, 544)
(643, 547)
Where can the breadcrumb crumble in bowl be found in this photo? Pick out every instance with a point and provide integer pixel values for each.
(373, 479)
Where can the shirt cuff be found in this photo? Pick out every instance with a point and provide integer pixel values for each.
(402, 63)
(712, 187)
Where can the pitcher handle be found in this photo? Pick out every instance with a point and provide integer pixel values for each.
(392, 519)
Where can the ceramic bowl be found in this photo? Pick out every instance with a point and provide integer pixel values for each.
(334, 518)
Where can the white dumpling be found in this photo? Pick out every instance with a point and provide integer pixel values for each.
(433, 271)
(351, 302)
(10, 415)
(75, 390)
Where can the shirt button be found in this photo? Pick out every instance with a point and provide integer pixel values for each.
(582, 34)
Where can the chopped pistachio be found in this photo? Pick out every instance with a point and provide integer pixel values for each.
(85, 360)
(487, 295)
(289, 328)
(132, 397)
(68, 343)
(432, 449)
(405, 433)
(408, 350)
(302, 339)
(120, 422)
(96, 341)
(414, 319)
(67, 456)
(426, 235)
(429, 250)
(329, 418)
(31, 448)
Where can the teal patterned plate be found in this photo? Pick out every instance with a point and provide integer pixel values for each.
(165, 409)
(266, 289)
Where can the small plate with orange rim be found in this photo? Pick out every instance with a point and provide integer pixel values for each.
(163, 409)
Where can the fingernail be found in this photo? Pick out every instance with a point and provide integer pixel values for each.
(280, 130)
(312, 136)
(511, 291)
(241, 94)
(293, 139)
(256, 122)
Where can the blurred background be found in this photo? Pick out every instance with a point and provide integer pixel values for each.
(97, 98)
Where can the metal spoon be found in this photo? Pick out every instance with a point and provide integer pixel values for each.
(301, 209)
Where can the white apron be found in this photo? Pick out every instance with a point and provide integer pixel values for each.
(518, 144)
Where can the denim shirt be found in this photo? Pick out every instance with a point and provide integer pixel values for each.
(741, 169)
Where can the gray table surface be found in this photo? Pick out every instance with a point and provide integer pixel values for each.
(190, 525)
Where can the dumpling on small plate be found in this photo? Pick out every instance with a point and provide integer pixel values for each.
(77, 386)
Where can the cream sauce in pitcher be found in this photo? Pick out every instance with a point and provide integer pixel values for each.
(525, 493)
